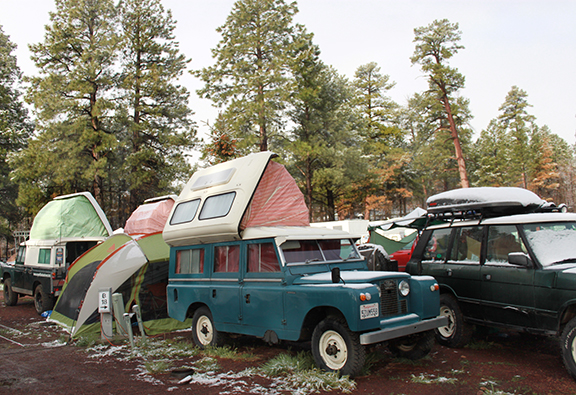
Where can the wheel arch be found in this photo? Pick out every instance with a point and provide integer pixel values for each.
(568, 313)
(195, 306)
(314, 316)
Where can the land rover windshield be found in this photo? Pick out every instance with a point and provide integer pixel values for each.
(319, 251)
(552, 243)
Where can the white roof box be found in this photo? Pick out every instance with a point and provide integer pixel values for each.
(219, 201)
(487, 200)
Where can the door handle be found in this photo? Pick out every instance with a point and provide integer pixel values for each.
(247, 298)
(488, 277)
(449, 272)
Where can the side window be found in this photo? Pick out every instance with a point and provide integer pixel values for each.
(227, 259)
(467, 244)
(184, 212)
(437, 246)
(217, 206)
(262, 258)
(44, 256)
(21, 255)
(502, 240)
(190, 261)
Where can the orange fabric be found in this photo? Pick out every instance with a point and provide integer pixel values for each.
(277, 201)
(149, 218)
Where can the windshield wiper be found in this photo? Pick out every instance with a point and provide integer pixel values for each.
(567, 260)
(311, 260)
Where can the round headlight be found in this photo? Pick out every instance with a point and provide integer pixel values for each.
(404, 288)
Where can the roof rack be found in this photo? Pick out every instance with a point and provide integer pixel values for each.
(487, 202)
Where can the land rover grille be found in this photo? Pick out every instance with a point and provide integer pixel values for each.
(390, 304)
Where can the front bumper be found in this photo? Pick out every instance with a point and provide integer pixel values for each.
(404, 330)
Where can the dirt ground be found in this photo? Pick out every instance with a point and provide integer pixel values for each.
(494, 363)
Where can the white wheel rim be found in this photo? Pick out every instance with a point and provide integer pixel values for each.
(333, 350)
(573, 348)
(448, 330)
(204, 330)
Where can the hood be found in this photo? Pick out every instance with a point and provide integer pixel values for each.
(350, 277)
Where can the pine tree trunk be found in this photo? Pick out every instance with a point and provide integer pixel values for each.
(458, 149)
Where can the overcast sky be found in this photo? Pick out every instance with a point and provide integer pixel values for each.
(527, 43)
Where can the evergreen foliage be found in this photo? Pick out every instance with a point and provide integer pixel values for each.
(112, 119)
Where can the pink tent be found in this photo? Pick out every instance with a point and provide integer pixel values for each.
(149, 217)
(277, 201)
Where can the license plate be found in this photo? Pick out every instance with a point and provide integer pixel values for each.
(369, 311)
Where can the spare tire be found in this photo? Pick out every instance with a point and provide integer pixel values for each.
(377, 258)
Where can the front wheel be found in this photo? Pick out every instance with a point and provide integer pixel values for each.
(336, 348)
(457, 333)
(568, 345)
(412, 347)
(42, 301)
(10, 297)
(204, 332)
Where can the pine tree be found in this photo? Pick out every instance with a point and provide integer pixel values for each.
(251, 74)
(73, 103)
(154, 108)
(436, 43)
(15, 128)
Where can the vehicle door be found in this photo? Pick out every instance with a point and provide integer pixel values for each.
(225, 284)
(262, 297)
(21, 280)
(462, 269)
(508, 290)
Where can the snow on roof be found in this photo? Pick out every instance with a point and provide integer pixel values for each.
(483, 197)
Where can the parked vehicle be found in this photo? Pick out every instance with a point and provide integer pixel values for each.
(244, 260)
(503, 257)
(62, 230)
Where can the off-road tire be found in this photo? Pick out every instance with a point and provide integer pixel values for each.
(412, 347)
(336, 348)
(458, 332)
(42, 301)
(10, 297)
(204, 332)
(568, 347)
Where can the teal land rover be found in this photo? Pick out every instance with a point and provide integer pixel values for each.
(243, 260)
(503, 258)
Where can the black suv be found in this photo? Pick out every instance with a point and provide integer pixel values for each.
(503, 257)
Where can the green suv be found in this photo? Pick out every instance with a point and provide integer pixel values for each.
(502, 257)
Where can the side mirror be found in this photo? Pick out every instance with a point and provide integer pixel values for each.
(335, 275)
(519, 259)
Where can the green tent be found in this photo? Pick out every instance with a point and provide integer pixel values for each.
(76, 215)
(137, 268)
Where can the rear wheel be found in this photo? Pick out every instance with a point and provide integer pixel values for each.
(42, 301)
(568, 344)
(457, 333)
(414, 346)
(10, 297)
(204, 332)
(336, 348)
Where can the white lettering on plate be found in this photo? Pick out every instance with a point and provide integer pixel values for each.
(369, 311)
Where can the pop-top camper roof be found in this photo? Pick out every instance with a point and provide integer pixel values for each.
(219, 202)
(151, 216)
(71, 216)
